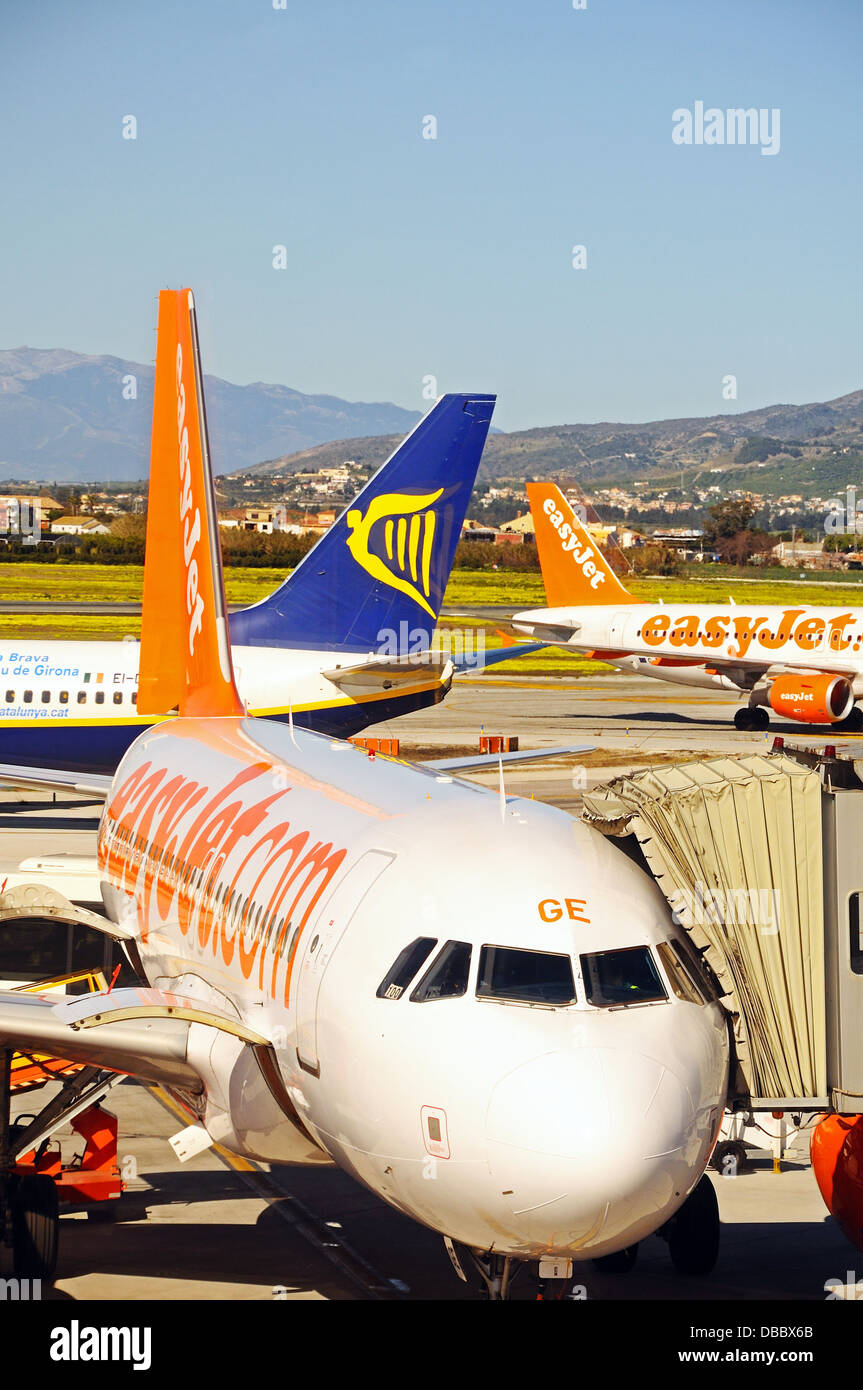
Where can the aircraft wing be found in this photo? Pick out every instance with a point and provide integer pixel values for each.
(480, 760)
(137, 1032)
(54, 780)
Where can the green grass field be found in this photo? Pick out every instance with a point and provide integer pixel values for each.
(122, 584)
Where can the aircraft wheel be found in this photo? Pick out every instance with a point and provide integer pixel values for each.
(729, 1148)
(852, 721)
(621, 1262)
(751, 717)
(693, 1239)
(35, 1228)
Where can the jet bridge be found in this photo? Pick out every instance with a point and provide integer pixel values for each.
(761, 858)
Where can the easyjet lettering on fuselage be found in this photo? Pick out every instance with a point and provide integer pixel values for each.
(585, 556)
(227, 875)
(742, 634)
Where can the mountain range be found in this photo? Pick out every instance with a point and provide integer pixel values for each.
(66, 417)
(808, 447)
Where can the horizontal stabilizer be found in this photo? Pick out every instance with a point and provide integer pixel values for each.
(468, 663)
(55, 780)
(387, 673)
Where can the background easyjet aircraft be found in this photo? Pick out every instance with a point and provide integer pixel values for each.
(344, 642)
(362, 961)
(802, 662)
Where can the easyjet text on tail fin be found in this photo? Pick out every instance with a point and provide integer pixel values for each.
(185, 652)
(574, 571)
(386, 561)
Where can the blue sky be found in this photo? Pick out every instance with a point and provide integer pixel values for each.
(408, 257)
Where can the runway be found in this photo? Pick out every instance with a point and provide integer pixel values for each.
(221, 1228)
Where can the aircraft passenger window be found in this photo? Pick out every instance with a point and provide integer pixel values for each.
(289, 941)
(28, 697)
(528, 977)
(621, 977)
(82, 695)
(10, 697)
(46, 697)
(404, 967)
(856, 935)
(100, 697)
(118, 697)
(447, 976)
(678, 975)
(64, 697)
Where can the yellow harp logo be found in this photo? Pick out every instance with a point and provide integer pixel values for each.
(408, 544)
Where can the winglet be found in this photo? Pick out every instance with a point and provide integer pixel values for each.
(185, 650)
(574, 571)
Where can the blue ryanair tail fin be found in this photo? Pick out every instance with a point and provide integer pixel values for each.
(386, 560)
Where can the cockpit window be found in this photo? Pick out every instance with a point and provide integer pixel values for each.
(684, 986)
(405, 966)
(528, 977)
(697, 966)
(446, 978)
(621, 977)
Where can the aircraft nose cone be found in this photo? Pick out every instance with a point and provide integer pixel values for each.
(588, 1145)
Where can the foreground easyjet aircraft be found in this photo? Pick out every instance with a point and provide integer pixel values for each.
(804, 663)
(343, 643)
(474, 1005)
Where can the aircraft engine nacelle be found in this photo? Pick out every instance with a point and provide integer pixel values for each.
(246, 1106)
(812, 699)
(836, 1149)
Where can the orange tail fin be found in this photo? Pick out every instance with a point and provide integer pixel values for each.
(185, 650)
(573, 570)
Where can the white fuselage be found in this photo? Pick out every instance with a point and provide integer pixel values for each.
(74, 684)
(280, 879)
(742, 641)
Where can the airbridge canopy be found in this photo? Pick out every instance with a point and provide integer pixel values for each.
(735, 844)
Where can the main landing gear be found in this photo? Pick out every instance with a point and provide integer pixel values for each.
(693, 1231)
(751, 718)
(692, 1235)
(29, 1210)
(853, 721)
(32, 1176)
